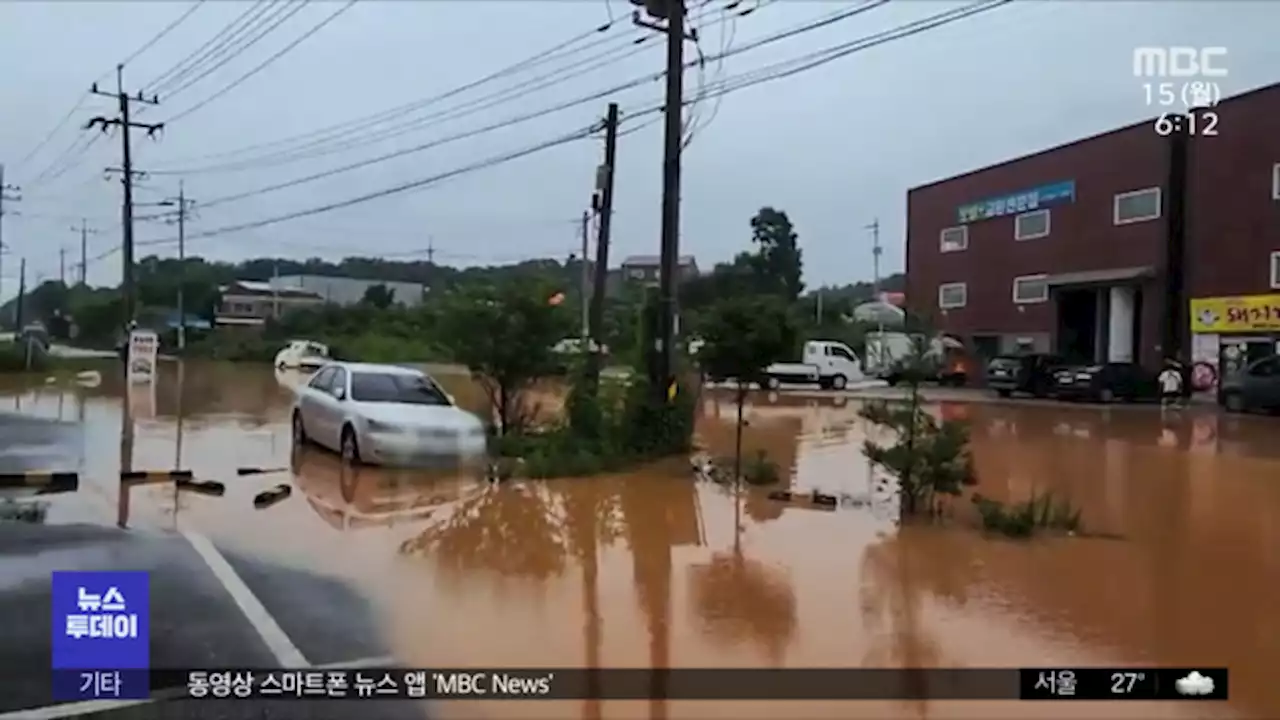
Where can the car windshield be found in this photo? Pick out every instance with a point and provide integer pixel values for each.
(396, 388)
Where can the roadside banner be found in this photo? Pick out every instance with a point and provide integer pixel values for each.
(144, 348)
(101, 635)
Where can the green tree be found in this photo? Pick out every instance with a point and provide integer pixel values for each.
(743, 335)
(928, 457)
(379, 296)
(777, 261)
(505, 336)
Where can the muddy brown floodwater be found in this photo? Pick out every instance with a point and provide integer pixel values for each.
(651, 569)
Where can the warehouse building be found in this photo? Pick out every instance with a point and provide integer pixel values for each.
(1129, 245)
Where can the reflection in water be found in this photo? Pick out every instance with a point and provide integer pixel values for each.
(650, 569)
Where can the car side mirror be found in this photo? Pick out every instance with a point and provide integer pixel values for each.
(340, 393)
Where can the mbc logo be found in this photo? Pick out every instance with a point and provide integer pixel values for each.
(1178, 62)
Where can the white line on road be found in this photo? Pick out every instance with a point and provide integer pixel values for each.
(268, 629)
(86, 707)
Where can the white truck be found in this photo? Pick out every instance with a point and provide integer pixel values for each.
(887, 352)
(826, 363)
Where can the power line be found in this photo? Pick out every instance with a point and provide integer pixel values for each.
(165, 31)
(560, 49)
(80, 102)
(183, 66)
(470, 107)
(762, 75)
(314, 148)
(280, 53)
(276, 21)
(651, 77)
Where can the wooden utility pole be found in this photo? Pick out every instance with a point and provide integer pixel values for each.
(585, 282)
(85, 231)
(22, 291)
(62, 266)
(602, 204)
(673, 13)
(8, 193)
(127, 175)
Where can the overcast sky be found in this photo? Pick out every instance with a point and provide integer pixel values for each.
(836, 147)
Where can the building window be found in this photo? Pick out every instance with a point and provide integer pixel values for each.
(637, 274)
(952, 295)
(1137, 206)
(1032, 225)
(1275, 270)
(954, 239)
(1030, 289)
(1275, 181)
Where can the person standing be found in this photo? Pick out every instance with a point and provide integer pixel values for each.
(1171, 386)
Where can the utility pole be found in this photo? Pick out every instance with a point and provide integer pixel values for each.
(179, 217)
(8, 193)
(673, 12)
(62, 266)
(585, 282)
(127, 174)
(85, 232)
(431, 251)
(22, 291)
(874, 227)
(602, 204)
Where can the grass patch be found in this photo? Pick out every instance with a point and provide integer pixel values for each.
(1022, 520)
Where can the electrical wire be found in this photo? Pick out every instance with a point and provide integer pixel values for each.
(183, 67)
(473, 132)
(258, 68)
(780, 70)
(472, 107)
(287, 11)
(70, 158)
(165, 31)
(559, 50)
(130, 58)
(404, 187)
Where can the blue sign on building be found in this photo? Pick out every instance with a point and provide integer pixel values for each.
(101, 635)
(1059, 193)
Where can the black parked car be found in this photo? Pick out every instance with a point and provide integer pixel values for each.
(1106, 382)
(1031, 374)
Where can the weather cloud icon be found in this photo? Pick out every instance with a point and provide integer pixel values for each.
(1194, 684)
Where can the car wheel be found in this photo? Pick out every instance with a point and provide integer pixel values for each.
(299, 432)
(1234, 402)
(350, 447)
(892, 380)
(772, 383)
(1106, 395)
(839, 382)
(1004, 393)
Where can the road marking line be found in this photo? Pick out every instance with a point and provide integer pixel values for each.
(269, 630)
(88, 707)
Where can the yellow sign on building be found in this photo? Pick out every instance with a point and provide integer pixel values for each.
(1242, 314)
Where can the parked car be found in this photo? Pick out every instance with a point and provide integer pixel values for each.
(1031, 373)
(1256, 387)
(384, 414)
(1106, 382)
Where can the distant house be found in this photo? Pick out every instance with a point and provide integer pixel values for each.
(349, 291)
(250, 302)
(646, 269)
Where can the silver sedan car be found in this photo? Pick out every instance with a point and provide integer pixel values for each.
(384, 414)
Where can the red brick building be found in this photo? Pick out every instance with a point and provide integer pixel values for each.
(1111, 247)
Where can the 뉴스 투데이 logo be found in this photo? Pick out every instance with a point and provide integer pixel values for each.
(1209, 318)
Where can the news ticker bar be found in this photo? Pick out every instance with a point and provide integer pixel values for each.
(644, 684)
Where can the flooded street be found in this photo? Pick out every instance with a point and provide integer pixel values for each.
(1181, 566)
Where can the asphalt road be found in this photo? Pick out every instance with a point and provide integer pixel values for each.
(197, 618)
